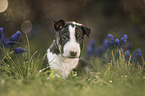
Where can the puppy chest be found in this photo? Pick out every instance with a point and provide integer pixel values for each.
(63, 65)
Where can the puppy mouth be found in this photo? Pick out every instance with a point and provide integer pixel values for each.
(70, 57)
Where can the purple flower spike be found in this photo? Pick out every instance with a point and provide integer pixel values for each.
(1, 32)
(15, 37)
(13, 40)
(4, 40)
(137, 53)
(19, 50)
(125, 36)
(137, 56)
(110, 42)
(91, 49)
(121, 50)
(92, 43)
(110, 36)
(123, 40)
(116, 42)
(105, 44)
(127, 55)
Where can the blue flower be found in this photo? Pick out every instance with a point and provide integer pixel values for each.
(121, 51)
(19, 50)
(110, 36)
(127, 55)
(137, 53)
(13, 40)
(92, 43)
(100, 51)
(110, 42)
(1, 32)
(105, 44)
(116, 42)
(4, 40)
(91, 49)
(15, 37)
(117, 54)
(123, 40)
(125, 36)
(137, 56)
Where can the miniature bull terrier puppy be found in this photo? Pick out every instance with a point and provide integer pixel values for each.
(64, 53)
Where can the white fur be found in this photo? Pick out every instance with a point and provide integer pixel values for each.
(77, 23)
(72, 44)
(61, 64)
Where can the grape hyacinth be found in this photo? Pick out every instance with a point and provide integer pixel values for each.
(100, 51)
(13, 40)
(91, 49)
(110, 43)
(4, 40)
(121, 51)
(105, 44)
(19, 50)
(15, 37)
(1, 32)
(110, 36)
(123, 40)
(8, 43)
(116, 42)
(136, 57)
(127, 55)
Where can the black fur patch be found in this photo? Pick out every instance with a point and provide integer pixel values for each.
(63, 36)
(54, 48)
(79, 36)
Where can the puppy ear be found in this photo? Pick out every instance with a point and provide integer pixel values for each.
(86, 30)
(58, 24)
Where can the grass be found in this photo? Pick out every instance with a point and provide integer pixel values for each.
(20, 76)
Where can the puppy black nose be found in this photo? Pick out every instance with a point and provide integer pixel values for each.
(72, 53)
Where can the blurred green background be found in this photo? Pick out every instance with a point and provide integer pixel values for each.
(117, 17)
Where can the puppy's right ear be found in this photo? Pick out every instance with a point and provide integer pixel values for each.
(58, 24)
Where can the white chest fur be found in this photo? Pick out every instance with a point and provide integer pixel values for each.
(60, 64)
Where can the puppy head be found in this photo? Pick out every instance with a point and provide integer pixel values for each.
(69, 37)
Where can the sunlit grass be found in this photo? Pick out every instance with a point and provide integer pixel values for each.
(21, 66)
(23, 75)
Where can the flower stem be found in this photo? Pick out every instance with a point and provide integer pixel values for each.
(28, 46)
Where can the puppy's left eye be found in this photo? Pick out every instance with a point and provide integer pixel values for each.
(64, 38)
(80, 39)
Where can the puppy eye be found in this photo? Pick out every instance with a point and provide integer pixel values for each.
(80, 39)
(64, 38)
